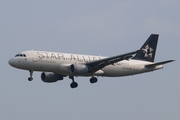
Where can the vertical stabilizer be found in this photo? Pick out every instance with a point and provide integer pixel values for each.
(148, 49)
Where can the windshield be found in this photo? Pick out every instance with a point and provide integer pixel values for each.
(20, 55)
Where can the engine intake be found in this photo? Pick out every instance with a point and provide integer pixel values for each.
(78, 69)
(50, 77)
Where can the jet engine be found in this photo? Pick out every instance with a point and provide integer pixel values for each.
(78, 69)
(50, 77)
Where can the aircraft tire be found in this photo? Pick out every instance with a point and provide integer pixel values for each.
(30, 78)
(93, 80)
(74, 85)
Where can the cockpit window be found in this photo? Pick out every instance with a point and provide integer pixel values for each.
(20, 55)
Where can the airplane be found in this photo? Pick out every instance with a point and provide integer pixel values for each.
(55, 66)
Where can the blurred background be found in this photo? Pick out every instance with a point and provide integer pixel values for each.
(96, 27)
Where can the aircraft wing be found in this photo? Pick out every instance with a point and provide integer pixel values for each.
(99, 64)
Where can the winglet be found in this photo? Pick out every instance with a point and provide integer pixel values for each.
(159, 63)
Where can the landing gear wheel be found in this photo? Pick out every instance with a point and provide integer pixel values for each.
(74, 85)
(93, 80)
(30, 78)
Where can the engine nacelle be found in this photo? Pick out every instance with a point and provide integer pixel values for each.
(50, 77)
(64, 68)
(79, 69)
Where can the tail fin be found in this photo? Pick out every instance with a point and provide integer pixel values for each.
(148, 49)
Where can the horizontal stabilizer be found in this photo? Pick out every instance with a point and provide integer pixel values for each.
(159, 63)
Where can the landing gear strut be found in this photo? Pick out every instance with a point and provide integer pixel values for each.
(73, 84)
(31, 73)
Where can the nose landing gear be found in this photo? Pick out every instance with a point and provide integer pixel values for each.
(31, 74)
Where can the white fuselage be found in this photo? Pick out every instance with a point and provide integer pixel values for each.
(59, 63)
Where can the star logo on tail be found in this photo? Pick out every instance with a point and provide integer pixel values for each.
(147, 51)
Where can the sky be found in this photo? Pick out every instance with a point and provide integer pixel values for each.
(96, 27)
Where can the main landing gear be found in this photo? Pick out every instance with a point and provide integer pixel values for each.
(31, 73)
(75, 84)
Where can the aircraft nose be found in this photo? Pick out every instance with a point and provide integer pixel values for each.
(11, 62)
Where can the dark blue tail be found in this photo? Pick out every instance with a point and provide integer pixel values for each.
(148, 49)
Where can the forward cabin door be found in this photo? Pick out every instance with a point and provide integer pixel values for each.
(34, 56)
